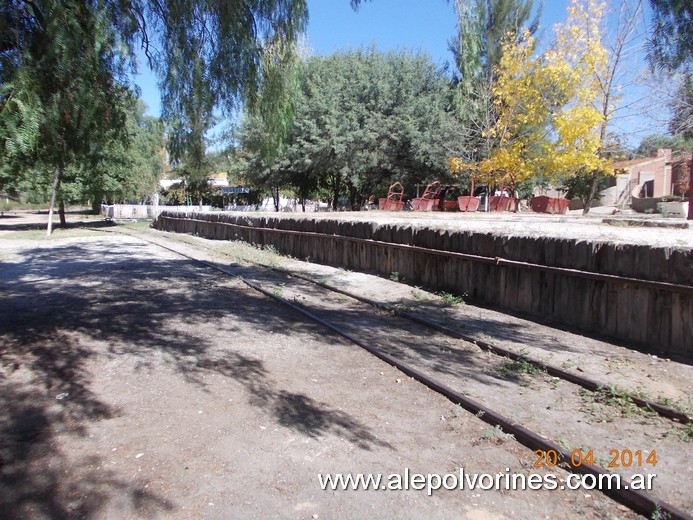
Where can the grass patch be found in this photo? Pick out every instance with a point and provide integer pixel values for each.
(523, 367)
(676, 405)
(417, 295)
(608, 402)
(40, 234)
(496, 435)
(451, 299)
(684, 434)
(658, 514)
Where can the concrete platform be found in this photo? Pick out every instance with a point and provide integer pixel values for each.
(601, 225)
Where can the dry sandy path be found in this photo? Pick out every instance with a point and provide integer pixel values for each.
(137, 384)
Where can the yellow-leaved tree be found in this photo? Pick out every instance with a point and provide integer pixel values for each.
(579, 127)
(548, 121)
(516, 118)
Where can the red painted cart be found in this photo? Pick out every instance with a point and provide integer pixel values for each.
(429, 201)
(504, 202)
(393, 201)
(468, 202)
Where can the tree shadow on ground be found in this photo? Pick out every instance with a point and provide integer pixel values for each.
(411, 343)
(129, 299)
(45, 395)
(502, 327)
(292, 410)
(38, 226)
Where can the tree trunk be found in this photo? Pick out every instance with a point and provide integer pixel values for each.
(352, 198)
(96, 203)
(275, 196)
(690, 189)
(335, 194)
(590, 195)
(54, 189)
(61, 212)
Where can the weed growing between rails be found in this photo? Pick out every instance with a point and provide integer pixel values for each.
(684, 433)
(607, 403)
(523, 367)
(496, 435)
(451, 299)
(338, 277)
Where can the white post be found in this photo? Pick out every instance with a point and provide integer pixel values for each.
(56, 176)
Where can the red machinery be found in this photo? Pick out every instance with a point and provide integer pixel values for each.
(468, 202)
(393, 201)
(504, 202)
(430, 200)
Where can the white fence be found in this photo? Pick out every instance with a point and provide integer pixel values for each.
(152, 211)
(142, 211)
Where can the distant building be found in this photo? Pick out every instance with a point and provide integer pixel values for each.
(655, 176)
(216, 179)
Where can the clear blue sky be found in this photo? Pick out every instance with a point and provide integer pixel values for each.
(425, 25)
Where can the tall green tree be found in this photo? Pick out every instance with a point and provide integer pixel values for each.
(206, 54)
(670, 45)
(362, 119)
(63, 91)
(652, 143)
(483, 26)
(215, 54)
(129, 169)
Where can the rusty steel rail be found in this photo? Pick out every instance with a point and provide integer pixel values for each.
(498, 261)
(637, 500)
(584, 382)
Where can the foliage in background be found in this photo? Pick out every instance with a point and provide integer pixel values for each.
(651, 143)
(477, 49)
(681, 123)
(361, 119)
(128, 170)
(670, 46)
(546, 119)
(63, 81)
(579, 186)
(63, 96)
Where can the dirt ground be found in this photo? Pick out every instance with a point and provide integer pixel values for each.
(138, 384)
(572, 417)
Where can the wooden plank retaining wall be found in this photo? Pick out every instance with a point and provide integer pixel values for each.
(632, 293)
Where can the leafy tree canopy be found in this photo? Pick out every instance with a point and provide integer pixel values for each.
(547, 122)
(362, 118)
(483, 26)
(671, 44)
(651, 143)
(64, 64)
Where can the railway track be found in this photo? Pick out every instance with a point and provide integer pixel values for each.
(482, 378)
